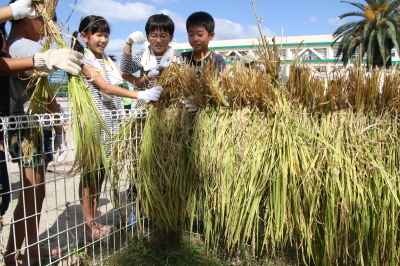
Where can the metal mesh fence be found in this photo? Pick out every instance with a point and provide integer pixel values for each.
(44, 222)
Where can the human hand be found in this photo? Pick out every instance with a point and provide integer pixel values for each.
(190, 105)
(155, 71)
(135, 37)
(54, 59)
(60, 144)
(23, 9)
(150, 95)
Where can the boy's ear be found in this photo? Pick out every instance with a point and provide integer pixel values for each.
(212, 35)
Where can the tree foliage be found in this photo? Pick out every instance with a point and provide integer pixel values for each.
(376, 34)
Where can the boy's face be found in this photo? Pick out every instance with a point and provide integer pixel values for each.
(159, 41)
(36, 28)
(199, 38)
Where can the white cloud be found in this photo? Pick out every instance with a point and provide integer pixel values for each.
(159, 1)
(115, 11)
(336, 22)
(226, 30)
(311, 20)
(179, 21)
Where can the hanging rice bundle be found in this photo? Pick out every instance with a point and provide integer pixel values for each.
(164, 184)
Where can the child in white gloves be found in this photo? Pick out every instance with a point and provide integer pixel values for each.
(154, 58)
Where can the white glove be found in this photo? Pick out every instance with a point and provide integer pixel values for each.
(23, 9)
(162, 65)
(153, 73)
(135, 37)
(54, 59)
(150, 95)
(190, 105)
(60, 144)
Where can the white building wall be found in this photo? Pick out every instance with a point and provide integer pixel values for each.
(316, 50)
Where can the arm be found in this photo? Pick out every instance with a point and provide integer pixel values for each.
(135, 80)
(128, 48)
(97, 79)
(127, 67)
(53, 59)
(6, 14)
(10, 66)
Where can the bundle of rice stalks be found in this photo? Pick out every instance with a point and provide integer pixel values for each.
(249, 88)
(305, 87)
(353, 88)
(125, 151)
(181, 82)
(90, 153)
(342, 189)
(171, 79)
(165, 185)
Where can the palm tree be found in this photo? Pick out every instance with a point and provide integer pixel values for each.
(376, 34)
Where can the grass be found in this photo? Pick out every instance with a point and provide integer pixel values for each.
(155, 250)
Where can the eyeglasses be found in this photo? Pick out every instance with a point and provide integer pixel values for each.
(162, 37)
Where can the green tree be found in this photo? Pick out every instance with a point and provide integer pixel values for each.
(377, 33)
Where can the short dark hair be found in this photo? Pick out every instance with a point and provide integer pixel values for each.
(201, 19)
(159, 22)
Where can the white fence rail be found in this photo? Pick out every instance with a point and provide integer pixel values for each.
(60, 218)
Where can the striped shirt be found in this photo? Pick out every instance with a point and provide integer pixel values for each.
(107, 109)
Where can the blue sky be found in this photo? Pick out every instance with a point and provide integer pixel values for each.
(234, 18)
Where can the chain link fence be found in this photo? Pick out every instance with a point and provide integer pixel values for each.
(44, 215)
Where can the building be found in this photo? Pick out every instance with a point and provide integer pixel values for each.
(317, 50)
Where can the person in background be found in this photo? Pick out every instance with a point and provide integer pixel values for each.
(248, 61)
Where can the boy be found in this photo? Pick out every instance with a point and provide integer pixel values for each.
(149, 61)
(200, 28)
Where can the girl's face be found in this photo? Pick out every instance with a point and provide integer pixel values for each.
(159, 41)
(96, 42)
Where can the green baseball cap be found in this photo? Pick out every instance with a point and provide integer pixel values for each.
(247, 59)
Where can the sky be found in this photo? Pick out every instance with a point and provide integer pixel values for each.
(234, 19)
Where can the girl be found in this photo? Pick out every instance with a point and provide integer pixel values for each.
(104, 81)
